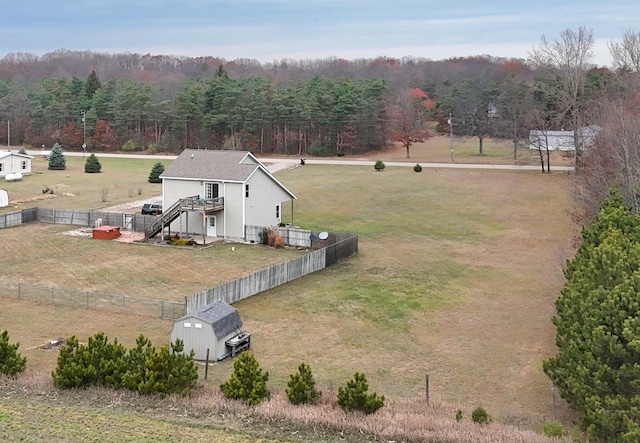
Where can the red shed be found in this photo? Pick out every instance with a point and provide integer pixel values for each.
(106, 232)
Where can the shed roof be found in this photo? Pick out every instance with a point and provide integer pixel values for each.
(4, 154)
(223, 317)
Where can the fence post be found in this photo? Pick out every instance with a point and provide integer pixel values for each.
(427, 386)
(206, 365)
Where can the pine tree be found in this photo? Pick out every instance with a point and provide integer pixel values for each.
(247, 382)
(354, 396)
(92, 84)
(156, 171)
(57, 161)
(11, 362)
(596, 369)
(92, 165)
(302, 386)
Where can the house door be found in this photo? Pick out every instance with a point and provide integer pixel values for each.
(211, 226)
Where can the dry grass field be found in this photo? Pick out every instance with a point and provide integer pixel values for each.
(456, 277)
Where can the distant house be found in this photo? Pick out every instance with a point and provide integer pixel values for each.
(14, 163)
(213, 331)
(562, 140)
(217, 193)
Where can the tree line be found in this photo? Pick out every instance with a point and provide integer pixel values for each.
(322, 107)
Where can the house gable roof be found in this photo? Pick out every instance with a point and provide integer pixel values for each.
(229, 166)
(223, 318)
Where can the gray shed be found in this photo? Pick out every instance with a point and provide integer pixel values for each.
(216, 327)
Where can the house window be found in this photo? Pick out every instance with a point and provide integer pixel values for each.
(198, 325)
(23, 165)
(211, 190)
(278, 212)
(1, 167)
(246, 190)
(187, 324)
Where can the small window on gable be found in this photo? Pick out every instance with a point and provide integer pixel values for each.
(198, 325)
(278, 211)
(246, 190)
(187, 324)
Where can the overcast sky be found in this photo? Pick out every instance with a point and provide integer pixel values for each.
(271, 30)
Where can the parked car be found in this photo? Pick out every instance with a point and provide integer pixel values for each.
(152, 208)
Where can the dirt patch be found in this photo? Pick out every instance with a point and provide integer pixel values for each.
(125, 236)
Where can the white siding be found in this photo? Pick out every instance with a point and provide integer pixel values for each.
(264, 196)
(12, 164)
(233, 198)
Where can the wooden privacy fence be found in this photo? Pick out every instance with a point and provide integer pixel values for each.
(92, 300)
(344, 245)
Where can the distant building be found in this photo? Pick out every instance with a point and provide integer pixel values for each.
(562, 140)
(14, 163)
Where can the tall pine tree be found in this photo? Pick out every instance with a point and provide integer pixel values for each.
(597, 368)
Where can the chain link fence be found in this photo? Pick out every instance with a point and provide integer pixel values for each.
(72, 298)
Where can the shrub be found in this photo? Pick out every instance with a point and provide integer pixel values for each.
(553, 428)
(92, 165)
(130, 145)
(275, 238)
(56, 159)
(96, 363)
(379, 166)
(264, 236)
(417, 167)
(302, 386)
(278, 243)
(458, 415)
(11, 362)
(247, 382)
(354, 396)
(22, 151)
(152, 370)
(480, 416)
(317, 149)
(144, 368)
(156, 170)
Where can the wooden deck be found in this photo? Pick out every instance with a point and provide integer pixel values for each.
(205, 205)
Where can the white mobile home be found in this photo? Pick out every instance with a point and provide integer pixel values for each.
(14, 163)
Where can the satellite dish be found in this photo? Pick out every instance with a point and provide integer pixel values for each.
(323, 235)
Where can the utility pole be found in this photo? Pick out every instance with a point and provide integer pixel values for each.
(8, 133)
(84, 133)
(450, 121)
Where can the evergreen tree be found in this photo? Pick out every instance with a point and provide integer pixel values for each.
(92, 84)
(156, 171)
(354, 396)
(11, 362)
(247, 382)
(302, 386)
(597, 369)
(57, 161)
(92, 165)
(22, 151)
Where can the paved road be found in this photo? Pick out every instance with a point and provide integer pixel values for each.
(275, 164)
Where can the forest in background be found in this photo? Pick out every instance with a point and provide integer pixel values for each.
(133, 102)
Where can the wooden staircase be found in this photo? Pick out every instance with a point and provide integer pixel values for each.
(164, 220)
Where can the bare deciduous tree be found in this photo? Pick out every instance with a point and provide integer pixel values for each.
(626, 53)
